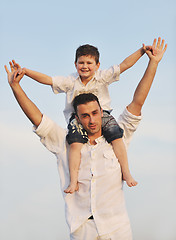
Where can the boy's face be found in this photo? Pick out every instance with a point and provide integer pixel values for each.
(86, 67)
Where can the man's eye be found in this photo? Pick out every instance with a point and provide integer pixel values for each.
(94, 113)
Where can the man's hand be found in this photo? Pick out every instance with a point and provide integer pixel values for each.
(156, 51)
(16, 73)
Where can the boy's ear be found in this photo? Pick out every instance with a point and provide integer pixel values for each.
(75, 64)
(98, 65)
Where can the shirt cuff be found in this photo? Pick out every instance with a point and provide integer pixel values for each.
(44, 127)
(130, 115)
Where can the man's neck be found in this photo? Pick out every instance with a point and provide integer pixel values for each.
(93, 137)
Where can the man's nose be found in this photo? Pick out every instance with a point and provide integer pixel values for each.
(91, 119)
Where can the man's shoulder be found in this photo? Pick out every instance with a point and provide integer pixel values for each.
(52, 136)
(48, 126)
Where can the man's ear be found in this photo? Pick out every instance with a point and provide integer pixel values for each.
(101, 112)
(77, 118)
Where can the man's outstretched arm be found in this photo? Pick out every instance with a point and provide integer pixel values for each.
(143, 88)
(28, 107)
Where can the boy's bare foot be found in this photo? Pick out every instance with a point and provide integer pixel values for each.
(72, 188)
(129, 180)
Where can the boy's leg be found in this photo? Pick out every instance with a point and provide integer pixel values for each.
(113, 134)
(74, 163)
(120, 152)
(76, 137)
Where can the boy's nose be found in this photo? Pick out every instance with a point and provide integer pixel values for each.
(84, 65)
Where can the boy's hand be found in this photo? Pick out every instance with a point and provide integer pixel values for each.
(156, 51)
(16, 73)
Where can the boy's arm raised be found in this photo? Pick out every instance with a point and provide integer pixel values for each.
(37, 76)
(131, 60)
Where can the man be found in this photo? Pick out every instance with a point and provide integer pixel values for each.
(97, 210)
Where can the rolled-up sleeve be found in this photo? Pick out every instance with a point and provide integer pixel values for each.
(129, 123)
(51, 135)
(61, 84)
(110, 75)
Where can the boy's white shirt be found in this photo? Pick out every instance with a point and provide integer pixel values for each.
(99, 195)
(98, 85)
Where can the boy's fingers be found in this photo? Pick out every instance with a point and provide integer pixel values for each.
(144, 47)
(20, 70)
(19, 74)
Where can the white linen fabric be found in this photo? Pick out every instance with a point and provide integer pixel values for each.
(100, 183)
(88, 231)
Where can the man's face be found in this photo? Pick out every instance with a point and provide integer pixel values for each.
(89, 115)
(86, 67)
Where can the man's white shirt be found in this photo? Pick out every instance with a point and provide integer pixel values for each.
(100, 182)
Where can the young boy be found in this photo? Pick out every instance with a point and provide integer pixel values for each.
(90, 79)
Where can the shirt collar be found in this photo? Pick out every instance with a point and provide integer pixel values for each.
(97, 140)
(79, 79)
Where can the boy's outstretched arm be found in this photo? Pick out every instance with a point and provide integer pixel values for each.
(143, 88)
(37, 76)
(28, 107)
(133, 58)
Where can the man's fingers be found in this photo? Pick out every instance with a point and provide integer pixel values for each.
(165, 47)
(159, 42)
(16, 64)
(15, 75)
(154, 43)
(11, 66)
(7, 70)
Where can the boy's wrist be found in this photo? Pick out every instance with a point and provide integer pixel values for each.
(25, 70)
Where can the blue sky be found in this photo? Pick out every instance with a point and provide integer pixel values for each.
(43, 36)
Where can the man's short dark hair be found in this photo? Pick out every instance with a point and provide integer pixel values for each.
(83, 99)
(86, 50)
